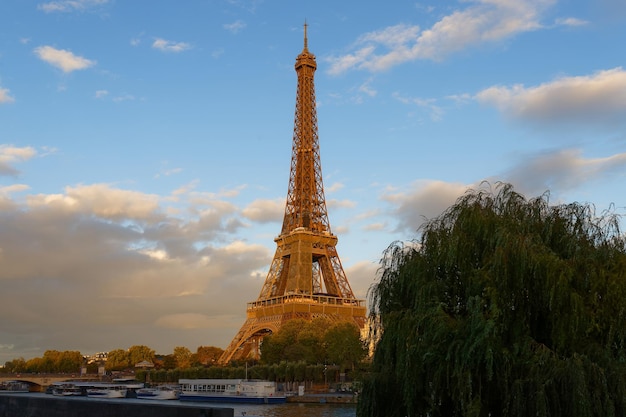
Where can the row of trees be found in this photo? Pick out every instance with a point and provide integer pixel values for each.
(279, 372)
(117, 360)
(52, 361)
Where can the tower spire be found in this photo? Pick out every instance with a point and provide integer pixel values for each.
(305, 279)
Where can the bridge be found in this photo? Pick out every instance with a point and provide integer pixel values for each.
(38, 382)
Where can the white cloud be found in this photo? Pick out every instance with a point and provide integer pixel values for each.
(235, 27)
(373, 227)
(562, 170)
(158, 254)
(100, 94)
(483, 21)
(10, 155)
(264, 211)
(5, 97)
(424, 200)
(571, 21)
(124, 97)
(361, 275)
(172, 171)
(208, 198)
(117, 254)
(14, 188)
(62, 59)
(170, 46)
(436, 112)
(185, 189)
(101, 200)
(333, 203)
(334, 187)
(558, 172)
(599, 98)
(70, 5)
(366, 88)
(347, 62)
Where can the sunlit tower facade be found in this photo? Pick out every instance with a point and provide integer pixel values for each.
(306, 279)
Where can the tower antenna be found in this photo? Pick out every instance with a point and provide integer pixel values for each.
(306, 42)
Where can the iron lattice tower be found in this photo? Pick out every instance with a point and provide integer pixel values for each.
(306, 279)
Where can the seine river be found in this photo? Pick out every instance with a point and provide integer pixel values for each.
(293, 410)
(269, 410)
(240, 410)
(278, 410)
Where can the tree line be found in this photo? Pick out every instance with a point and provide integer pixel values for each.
(300, 343)
(54, 361)
(317, 350)
(285, 371)
(318, 341)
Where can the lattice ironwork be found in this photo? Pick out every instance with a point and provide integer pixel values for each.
(306, 279)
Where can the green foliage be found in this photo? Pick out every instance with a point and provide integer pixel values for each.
(117, 360)
(279, 372)
(506, 306)
(15, 366)
(208, 355)
(66, 361)
(313, 342)
(52, 361)
(168, 362)
(343, 345)
(183, 357)
(139, 353)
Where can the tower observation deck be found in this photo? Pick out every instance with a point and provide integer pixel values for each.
(306, 279)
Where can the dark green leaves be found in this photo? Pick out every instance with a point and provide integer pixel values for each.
(505, 306)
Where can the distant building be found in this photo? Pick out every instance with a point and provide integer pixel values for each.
(99, 357)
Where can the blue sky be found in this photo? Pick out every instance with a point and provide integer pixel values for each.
(145, 145)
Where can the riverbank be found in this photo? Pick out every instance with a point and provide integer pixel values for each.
(325, 398)
(25, 404)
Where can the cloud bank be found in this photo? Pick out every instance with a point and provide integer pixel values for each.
(481, 22)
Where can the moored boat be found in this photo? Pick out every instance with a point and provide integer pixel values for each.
(162, 392)
(115, 389)
(14, 386)
(66, 390)
(230, 391)
(106, 392)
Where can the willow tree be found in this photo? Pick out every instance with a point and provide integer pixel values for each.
(503, 307)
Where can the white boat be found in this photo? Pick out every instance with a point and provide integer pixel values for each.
(14, 386)
(162, 392)
(230, 391)
(66, 390)
(115, 389)
(104, 392)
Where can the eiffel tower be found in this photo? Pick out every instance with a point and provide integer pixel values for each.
(306, 279)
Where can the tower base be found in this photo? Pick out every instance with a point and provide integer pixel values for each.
(267, 316)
